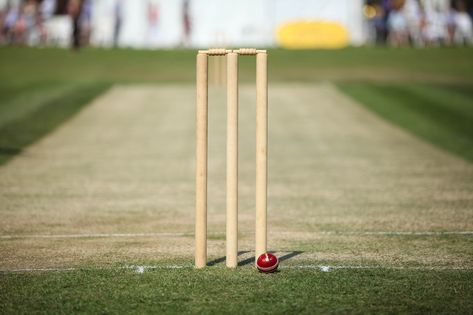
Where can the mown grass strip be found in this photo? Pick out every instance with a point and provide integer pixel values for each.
(440, 114)
(19, 100)
(46, 114)
(136, 66)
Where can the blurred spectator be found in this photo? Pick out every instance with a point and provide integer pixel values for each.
(450, 26)
(118, 20)
(30, 17)
(39, 22)
(9, 23)
(153, 23)
(436, 26)
(47, 8)
(19, 26)
(74, 8)
(85, 22)
(397, 25)
(415, 20)
(23, 22)
(421, 22)
(187, 24)
(44, 11)
(463, 25)
(2, 22)
(379, 24)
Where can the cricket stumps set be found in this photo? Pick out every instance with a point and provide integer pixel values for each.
(232, 153)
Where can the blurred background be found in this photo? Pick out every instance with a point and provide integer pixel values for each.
(168, 24)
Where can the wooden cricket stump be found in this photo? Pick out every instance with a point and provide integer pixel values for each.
(232, 153)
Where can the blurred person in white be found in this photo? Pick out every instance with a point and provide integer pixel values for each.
(45, 12)
(30, 14)
(47, 8)
(153, 24)
(463, 25)
(11, 18)
(436, 25)
(451, 26)
(414, 17)
(397, 25)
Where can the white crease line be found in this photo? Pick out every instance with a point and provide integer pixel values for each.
(138, 268)
(142, 269)
(323, 268)
(335, 267)
(95, 235)
(113, 235)
(38, 270)
(387, 233)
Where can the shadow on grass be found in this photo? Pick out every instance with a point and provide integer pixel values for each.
(288, 256)
(20, 133)
(9, 151)
(222, 259)
(251, 260)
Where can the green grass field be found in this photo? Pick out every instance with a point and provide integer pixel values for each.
(370, 183)
(220, 291)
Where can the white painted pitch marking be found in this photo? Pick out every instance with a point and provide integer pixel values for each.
(165, 234)
(426, 233)
(26, 270)
(141, 269)
(137, 268)
(323, 268)
(96, 235)
(335, 267)
(385, 233)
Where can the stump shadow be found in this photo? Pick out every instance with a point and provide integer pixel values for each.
(251, 260)
(288, 256)
(222, 259)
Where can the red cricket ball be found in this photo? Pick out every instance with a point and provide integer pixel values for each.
(267, 263)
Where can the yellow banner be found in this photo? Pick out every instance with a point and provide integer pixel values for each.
(312, 34)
